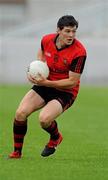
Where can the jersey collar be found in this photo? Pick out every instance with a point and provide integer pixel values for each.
(59, 49)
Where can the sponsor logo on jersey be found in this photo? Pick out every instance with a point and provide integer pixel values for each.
(48, 54)
(65, 61)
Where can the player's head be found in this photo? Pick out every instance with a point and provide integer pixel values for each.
(66, 28)
(67, 20)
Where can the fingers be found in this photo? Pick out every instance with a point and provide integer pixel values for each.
(41, 78)
(39, 81)
(31, 79)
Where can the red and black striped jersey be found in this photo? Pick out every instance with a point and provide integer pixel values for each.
(61, 61)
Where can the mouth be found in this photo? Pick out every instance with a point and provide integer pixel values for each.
(69, 40)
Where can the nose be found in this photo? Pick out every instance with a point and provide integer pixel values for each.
(70, 34)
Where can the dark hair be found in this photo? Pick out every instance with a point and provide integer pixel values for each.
(67, 20)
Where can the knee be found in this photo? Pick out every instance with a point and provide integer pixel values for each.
(44, 120)
(21, 114)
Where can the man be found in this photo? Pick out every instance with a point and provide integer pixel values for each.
(65, 57)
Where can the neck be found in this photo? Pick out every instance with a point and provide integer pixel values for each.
(60, 43)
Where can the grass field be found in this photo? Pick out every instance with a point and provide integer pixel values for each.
(83, 155)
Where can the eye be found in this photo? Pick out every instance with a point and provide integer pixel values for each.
(67, 31)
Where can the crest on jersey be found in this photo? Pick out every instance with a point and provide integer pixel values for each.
(56, 58)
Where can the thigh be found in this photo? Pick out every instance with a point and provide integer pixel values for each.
(51, 110)
(31, 102)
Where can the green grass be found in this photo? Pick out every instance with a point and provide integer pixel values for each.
(83, 155)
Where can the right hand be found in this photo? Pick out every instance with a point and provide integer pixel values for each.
(31, 79)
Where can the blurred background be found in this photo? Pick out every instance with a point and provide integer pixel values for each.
(24, 22)
(83, 155)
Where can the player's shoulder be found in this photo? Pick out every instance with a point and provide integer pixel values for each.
(80, 46)
(48, 37)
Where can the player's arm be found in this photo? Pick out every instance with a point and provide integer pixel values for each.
(75, 71)
(65, 83)
(40, 55)
(61, 84)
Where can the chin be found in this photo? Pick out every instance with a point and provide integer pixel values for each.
(69, 43)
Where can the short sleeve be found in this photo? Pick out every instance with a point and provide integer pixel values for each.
(77, 64)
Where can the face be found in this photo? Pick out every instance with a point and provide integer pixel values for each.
(66, 35)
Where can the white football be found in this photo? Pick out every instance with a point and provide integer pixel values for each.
(38, 67)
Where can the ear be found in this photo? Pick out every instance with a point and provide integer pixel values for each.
(58, 30)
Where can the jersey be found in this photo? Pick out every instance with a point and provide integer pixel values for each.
(61, 61)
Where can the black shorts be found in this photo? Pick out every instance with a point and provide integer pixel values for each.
(66, 99)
